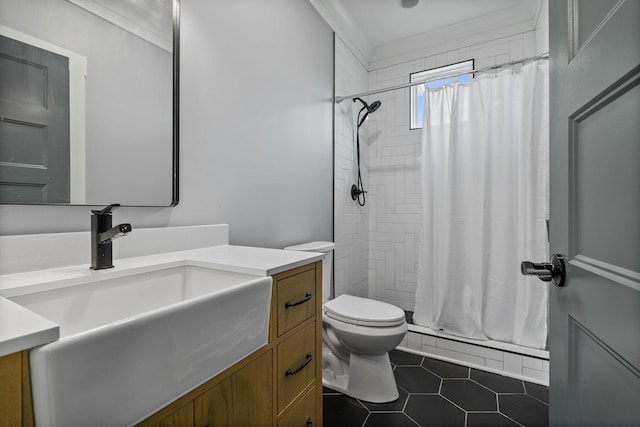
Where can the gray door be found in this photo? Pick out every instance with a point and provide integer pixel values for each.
(594, 332)
(34, 124)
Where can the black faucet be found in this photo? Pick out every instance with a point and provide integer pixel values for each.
(102, 234)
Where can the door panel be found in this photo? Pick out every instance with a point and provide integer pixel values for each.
(34, 124)
(22, 82)
(613, 385)
(605, 174)
(594, 334)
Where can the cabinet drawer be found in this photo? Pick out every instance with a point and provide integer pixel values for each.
(297, 360)
(303, 414)
(296, 300)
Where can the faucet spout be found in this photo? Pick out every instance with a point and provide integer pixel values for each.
(112, 234)
(102, 235)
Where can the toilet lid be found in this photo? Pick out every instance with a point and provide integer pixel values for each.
(363, 311)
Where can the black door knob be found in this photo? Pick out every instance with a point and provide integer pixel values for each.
(553, 271)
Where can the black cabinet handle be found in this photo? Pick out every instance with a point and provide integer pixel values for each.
(299, 368)
(309, 423)
(306, 298)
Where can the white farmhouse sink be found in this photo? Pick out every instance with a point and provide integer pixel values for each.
(130, 345)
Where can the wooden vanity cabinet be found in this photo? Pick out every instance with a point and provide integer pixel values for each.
(297, 338)
(243, 399)
(303, 413)
(182, 416)
(15, 390)
(278, 385)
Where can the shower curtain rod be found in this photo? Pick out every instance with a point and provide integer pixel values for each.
(339, 99)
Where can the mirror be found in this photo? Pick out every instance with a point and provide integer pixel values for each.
(89, 102)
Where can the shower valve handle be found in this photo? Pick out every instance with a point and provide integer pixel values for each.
(355, 192)
(553, 271)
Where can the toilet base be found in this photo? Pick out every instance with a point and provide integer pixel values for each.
(367, 377)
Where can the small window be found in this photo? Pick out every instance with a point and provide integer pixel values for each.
(417, 92)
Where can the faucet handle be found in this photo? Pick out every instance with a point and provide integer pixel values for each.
(106, 210)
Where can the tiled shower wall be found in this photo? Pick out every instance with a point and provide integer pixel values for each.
(503, 358)
(350, 220)
(393, 178)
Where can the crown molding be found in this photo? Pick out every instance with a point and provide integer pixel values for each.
(343, 24)
(504, 23)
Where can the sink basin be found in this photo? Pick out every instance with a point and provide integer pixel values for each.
(130, 345)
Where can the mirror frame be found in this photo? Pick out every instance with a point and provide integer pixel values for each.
(175, 196)
(175, 191)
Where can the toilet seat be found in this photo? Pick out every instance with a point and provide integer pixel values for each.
(363, 312)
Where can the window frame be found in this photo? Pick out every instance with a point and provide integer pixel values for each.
(412, 110)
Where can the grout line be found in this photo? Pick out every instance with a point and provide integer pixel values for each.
(366, 419)
(524, 383)
(511, 419)
(454, 404)
(406, 402)
(407, 415)
(487, 387)
(535, 398)
(361, 404)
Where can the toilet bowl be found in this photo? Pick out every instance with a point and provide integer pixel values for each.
(357, 335)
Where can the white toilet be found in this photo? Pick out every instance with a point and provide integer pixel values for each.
(357, 335)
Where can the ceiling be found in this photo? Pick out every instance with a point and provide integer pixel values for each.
(384, 21)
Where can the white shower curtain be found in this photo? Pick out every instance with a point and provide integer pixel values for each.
(485, 191)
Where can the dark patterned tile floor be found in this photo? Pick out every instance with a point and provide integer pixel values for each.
(437, 393)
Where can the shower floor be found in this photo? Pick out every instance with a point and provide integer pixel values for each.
(437, 393)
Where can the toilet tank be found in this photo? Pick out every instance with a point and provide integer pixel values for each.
(327, 262)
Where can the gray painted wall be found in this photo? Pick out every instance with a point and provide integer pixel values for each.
(256, 144)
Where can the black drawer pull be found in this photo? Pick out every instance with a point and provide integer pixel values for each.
(309, 423)
(299, 368)
(306, 298)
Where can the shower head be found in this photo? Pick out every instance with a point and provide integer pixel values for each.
(367, 109)
(370, 108)
(373, 107)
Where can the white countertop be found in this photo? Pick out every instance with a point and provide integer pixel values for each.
(21, 329)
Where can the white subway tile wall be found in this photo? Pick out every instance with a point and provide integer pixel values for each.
(350, 219)
(494, 360)
(512, 363)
